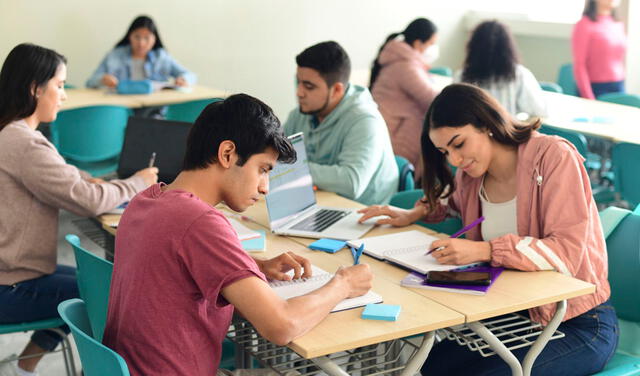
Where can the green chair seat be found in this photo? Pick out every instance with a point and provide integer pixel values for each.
(621, 98)
(551, 86)
(406, 172)
(567, 81)
(188, 111)
(442, 71)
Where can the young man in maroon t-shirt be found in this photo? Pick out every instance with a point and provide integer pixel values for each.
(180, 269)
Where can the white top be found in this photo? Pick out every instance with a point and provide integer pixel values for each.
(499, 218)
(520, 95)
(137, 70)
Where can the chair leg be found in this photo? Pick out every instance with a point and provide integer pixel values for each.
(67, 353)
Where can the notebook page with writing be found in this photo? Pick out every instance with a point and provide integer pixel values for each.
(414, 258)
(298, 287)
(377, 246)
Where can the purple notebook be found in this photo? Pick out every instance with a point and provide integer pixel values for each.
(417, 280)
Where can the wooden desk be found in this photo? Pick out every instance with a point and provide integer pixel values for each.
(77, 98)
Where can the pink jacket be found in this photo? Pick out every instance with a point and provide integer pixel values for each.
(404, 92)
(558, 223)
(599, 50)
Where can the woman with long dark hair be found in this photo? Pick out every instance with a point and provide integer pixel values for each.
(36, 183)
(140, 55)
(539, 211)
(401, 86)
(599, 46)
(492, 63)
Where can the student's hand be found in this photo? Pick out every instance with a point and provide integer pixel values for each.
(396, 217)
(96, 181)
(180, 81)
(109, 80)
(357, 279)
(277, 267)
(150, 175)
(461, 251)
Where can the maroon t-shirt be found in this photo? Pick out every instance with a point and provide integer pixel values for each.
(174, 254)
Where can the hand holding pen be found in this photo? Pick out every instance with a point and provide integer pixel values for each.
(455, 251)
(149, 174)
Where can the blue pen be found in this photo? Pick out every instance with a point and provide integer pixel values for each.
(357, 253)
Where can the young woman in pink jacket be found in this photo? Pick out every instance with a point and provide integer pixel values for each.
(402, 88)
(534, 193)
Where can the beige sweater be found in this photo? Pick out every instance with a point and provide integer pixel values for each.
(35, 182)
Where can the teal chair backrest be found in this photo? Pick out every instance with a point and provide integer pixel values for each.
(90, 134)
(551, 86)
(443, 71)
(577, 139)
(406, 172)
(407, 199)
(621, 98)
(94, 281)
(567, 81)
(96, 358)
(625, 157)
(188, 111)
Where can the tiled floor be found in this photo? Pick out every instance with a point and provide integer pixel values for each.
(52, 364)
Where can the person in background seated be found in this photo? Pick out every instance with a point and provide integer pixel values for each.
(599, 46)
(534, 193)
(140, 55)
(180, 270)
(401, 86)
(492, 64)
(36, 183)
(347, 142)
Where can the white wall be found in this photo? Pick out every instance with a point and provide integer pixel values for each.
(247, 45)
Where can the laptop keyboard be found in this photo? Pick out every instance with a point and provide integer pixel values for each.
(320, 220)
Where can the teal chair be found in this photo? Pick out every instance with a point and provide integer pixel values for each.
(406, 173)
(188, 111)
(621, 98)
(94, 281)
(96, 358)
(91, 137)
(51, 324)
(567, 81)
(442, 71)
(407, 199)
(622, 231)
(625, 157)
(551, 86)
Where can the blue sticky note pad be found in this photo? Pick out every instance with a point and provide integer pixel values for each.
(386, 312)
(327, 245)
(255, 244)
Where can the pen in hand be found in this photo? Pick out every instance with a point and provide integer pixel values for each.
(152, 160)
(459, 233)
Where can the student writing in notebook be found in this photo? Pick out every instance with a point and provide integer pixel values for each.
(180, 270)
(347, 141)
(36, 183)
(535, 196)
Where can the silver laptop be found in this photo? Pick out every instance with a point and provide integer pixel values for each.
(291, 203)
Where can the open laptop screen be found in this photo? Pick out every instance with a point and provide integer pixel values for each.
(144, 136)
(290, 185)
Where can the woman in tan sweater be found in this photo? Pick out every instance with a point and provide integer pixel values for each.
(36, 183)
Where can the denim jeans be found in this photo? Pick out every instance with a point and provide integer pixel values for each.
(38, 299)
(589, 343)
(600, 88)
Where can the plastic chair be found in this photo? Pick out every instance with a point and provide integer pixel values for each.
(625, 157)
(567, 81)
(443, 71)
(623, 248)
(407, 199)
(621, 98)
(96, 358)
(551, 86)
(406, 173)
(188, 111)
(94, 281)
(91, 137)
(51, 324)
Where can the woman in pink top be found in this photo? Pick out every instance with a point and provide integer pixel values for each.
(599, 46)
(548, 221)
(402, 88)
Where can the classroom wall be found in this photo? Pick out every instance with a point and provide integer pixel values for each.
(248, 45)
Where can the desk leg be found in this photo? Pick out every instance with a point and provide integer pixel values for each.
(329, 366)
(497, 346)
(543, 338)
(415, 363)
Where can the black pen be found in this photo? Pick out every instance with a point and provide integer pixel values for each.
(152, 160)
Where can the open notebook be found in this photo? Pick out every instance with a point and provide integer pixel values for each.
(298, 287)
(406, 249)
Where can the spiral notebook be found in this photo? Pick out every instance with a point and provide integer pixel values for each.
(406, 249)
(298, 287)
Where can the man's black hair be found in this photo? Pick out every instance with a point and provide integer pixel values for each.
(329, 59)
